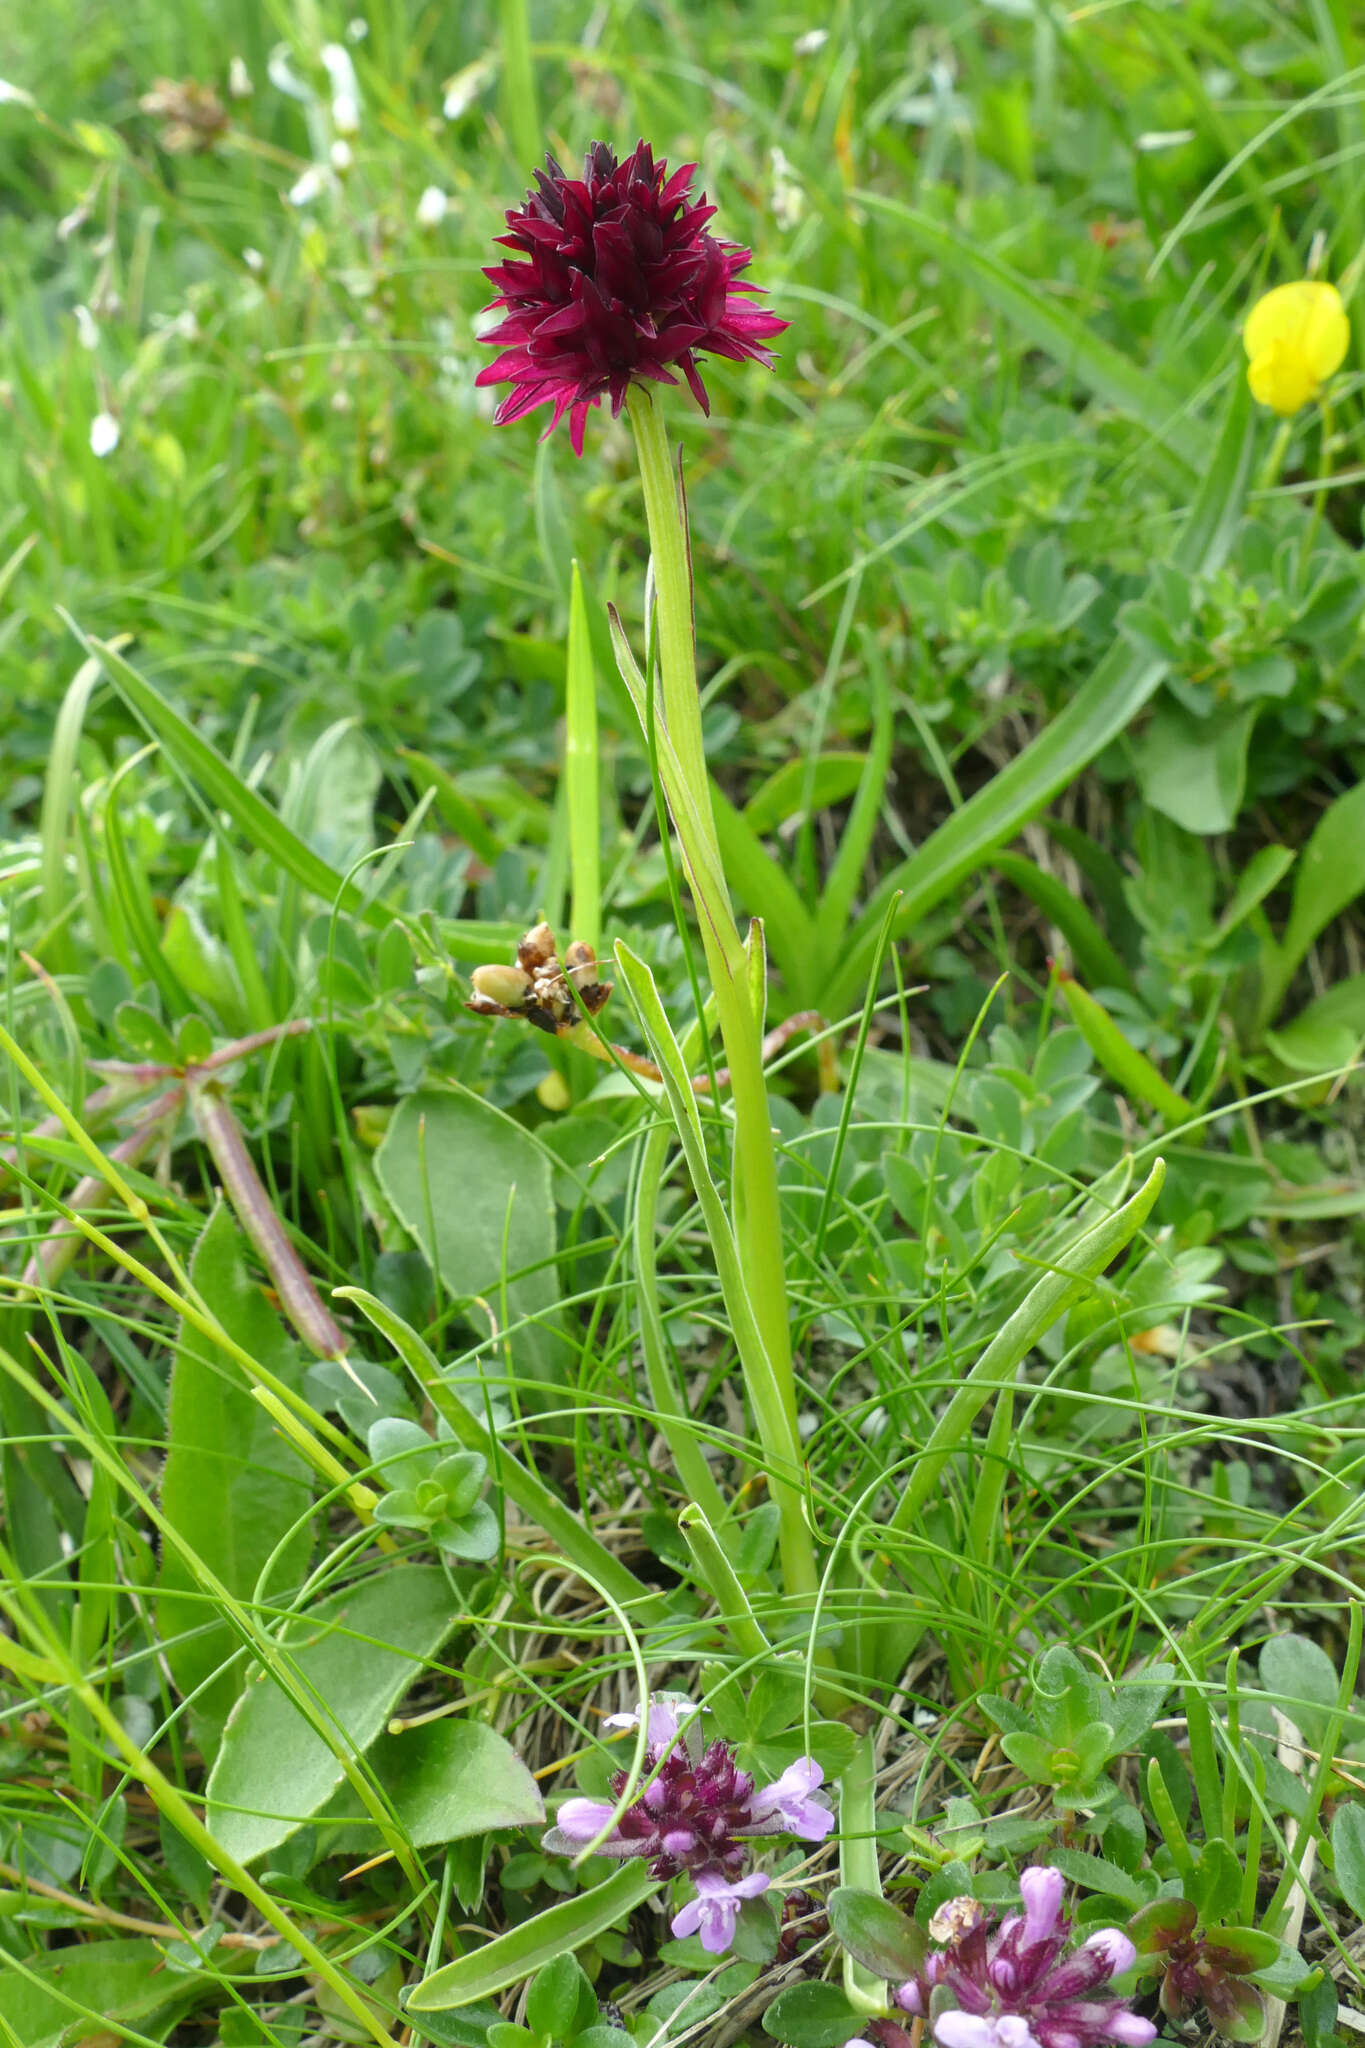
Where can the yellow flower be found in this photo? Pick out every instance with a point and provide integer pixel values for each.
(1296, 337)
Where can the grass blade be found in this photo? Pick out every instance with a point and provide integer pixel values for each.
(1116, 692)
(1111, 376)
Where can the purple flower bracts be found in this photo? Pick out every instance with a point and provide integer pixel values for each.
(621, 282)
(1022, 1984)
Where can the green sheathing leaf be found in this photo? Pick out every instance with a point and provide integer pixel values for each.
(517, 1954)
(232, 1487)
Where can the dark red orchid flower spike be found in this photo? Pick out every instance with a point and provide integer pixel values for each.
(622, 283)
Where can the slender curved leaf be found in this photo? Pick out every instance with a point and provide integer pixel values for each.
(525, 1949)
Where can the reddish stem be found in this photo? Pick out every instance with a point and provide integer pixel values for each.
(299, 1298)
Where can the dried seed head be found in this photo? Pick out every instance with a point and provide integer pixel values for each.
(192, 116)
(954, 1918)
(538, 948)
(537, 988)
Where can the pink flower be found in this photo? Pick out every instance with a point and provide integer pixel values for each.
(715, 1909)
(1042, 1890)
(666, 1711)
(1021, 1984)
(581, 1819)
(622, 282)
(786, 1806)
(967, 2030)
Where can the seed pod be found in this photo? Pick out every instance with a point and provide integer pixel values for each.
(506, 986)
(537, 949)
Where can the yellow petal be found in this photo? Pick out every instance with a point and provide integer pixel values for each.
(1282, 378)
(1328, 333)
(1280, 316)
(1295, 336)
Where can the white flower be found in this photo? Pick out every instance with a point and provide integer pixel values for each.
(345, 88)
(342, 155)
(15, 94)
(284, 78)
(307, 188)
(432, 207)
(254, 261)
(788, 199)
(87, 333)
(357, 29)
(239, 80)
(104, 434)
(464, 88)
(814, 39)
(71, 223)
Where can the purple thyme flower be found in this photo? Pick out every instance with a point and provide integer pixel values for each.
(623, 282)
(715, 1909)
(697, 1815)
(666, 1711)
(1021, 1985)
(786, 1806)
(699, 1811)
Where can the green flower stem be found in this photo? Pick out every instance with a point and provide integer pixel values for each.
(1269, 473)
(757, 1217)
(719, 1574)
(1308, 536)
(674, 1421)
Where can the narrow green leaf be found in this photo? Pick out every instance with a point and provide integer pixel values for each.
(1133, 1071)
(1044, 324)
(59, 801)
(231, 1488)
(203, 766)
(134, 903)
(460, 812)
(1090, 949)
(512, 1956)
(828, 780)
(581, 773)
(845, 876)
(765, 892)
(517, 1481)
(1077, 1268)
(1267, 867)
